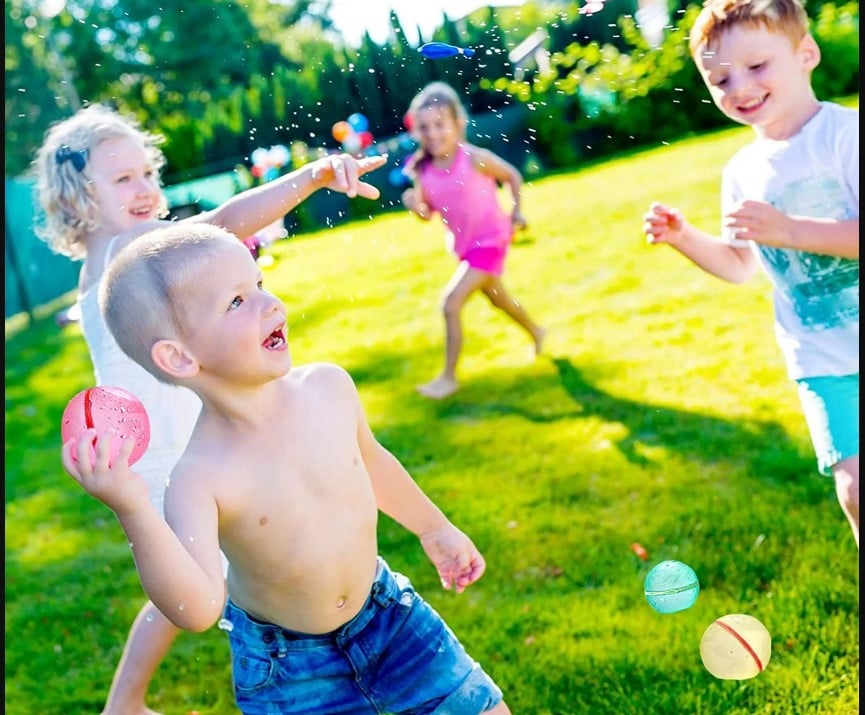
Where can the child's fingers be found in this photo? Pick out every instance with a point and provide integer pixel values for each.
(370, 163)
(84, 452)
(126, 450)
(340, 176)
(103, 450)
(350, 171)
(67, 456)
(367, 191)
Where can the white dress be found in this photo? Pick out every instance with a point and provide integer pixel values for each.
(172, 410)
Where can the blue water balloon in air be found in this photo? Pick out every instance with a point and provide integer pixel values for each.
(437, 50)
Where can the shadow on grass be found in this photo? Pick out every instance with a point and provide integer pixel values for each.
(764, 447)
(757, 455)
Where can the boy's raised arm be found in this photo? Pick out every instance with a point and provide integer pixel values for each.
(190, 596)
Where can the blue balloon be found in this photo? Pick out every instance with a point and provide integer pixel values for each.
(398, 179)
(437, 50)
(358, 122)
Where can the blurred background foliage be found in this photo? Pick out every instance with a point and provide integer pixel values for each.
(219, 78)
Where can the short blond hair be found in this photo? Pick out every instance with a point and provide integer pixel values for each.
(143, 295)
(63, 188)
(787, 17)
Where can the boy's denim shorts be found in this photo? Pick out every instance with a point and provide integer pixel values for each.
(831, 408)
(396, 655)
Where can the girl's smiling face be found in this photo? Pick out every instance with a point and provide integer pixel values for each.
(125, 184)
(438, 131)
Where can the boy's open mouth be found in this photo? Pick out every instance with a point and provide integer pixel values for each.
(276, 339)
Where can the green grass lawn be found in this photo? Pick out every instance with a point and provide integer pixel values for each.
(660, 414)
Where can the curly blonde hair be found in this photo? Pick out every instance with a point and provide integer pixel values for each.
(63, 188)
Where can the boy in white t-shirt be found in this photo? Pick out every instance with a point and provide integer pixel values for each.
(790, 203)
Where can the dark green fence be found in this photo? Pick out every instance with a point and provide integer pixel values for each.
(34, 274)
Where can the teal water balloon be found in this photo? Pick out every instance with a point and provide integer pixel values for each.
(671, 586)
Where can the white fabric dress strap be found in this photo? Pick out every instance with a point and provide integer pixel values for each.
(109, 252)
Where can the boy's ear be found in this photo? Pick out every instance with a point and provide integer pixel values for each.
(174, 359)
(810, 52)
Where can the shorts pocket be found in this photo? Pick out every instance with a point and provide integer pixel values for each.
(251, 671)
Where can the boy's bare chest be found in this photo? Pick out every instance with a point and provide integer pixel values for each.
(314, 465)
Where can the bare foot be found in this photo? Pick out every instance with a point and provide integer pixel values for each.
(439, 388)
(539, 336)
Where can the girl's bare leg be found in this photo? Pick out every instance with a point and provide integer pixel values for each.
(464, 282)
(149, 640)
(498, 295)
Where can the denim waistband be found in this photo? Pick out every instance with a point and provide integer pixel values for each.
(383, 592)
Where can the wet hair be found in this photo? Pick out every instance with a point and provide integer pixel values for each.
(783, 16)
(144, 294)
(63, 187)
(435, 94)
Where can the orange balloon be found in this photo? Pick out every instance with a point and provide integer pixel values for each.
(341, 130)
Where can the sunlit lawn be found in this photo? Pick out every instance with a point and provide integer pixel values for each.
(660, 414)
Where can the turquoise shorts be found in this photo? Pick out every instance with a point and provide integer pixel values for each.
(831, 407)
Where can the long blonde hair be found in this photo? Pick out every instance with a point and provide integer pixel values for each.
(435, 94)
(63, 187)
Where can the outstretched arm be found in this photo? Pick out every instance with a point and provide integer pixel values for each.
(456, 559)
(664, 224)
(253, 209)
(190, 594)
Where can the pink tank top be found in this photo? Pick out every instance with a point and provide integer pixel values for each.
(468, 202)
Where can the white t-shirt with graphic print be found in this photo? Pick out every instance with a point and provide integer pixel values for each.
(816, 297)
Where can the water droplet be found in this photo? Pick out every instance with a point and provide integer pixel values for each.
(225, 625)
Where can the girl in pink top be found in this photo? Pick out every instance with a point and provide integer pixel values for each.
(460, 182)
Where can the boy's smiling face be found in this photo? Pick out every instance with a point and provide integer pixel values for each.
(758, 77)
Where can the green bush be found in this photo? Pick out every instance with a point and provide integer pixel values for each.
(836, 30)
(597, 99)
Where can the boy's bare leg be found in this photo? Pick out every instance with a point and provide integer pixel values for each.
(149, 640)
(846, 474)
